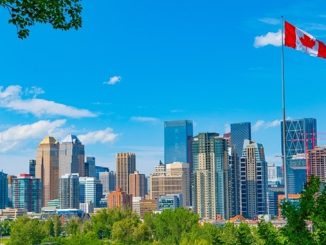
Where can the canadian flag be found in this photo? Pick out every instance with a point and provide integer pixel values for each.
(303, 41)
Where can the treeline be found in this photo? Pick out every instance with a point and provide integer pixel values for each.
(306, 224)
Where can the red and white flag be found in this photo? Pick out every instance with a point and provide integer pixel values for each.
(303, 41)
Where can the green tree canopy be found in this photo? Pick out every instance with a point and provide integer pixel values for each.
(61, 14)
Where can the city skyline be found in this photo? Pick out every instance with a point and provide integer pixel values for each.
(113, 83)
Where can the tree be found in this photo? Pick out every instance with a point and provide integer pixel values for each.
(5, 228)
(73, 226)
(30, 231)
(171, 224)
(202, 234)
(123, 230)
(269, 233)
(102, 222)
(61, 14)
(244, 235)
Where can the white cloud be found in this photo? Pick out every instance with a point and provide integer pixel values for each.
(100, 136)
(270, 21)
(261, 124)
(114, 80)
(34, 91)
(11, 98)
(19, 134)
(145, 119)
(270, 38)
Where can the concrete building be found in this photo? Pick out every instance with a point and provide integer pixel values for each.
(27, 193)
(137, 184)
(119, 199)
(211, 191)
(125, 165)
(47, 168)
(170, 179)
(69, 191)
(317, 163)
(147, 206)
(253, 189)
(71, 156)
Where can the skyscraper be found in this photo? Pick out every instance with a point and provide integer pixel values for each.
(172, 178)
(211, 176)
(91, 190)
(27, 193)
(69, 191)
(10, 190)
(177, 141)
(3, 190)
(90, 169)
(317, 163)
(32, 164)
(108, 180)
(71, 156)
(125, 165)
(301, 136)
(137, 184)
(239, 133)
(253, 175)
(47, 168)
(100, 169)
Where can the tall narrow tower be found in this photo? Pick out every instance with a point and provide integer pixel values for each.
(126, 164)
(47, 168)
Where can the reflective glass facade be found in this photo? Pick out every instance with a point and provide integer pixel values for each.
(177, 141)
(3, 190)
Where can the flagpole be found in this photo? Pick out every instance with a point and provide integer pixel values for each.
(284, 155)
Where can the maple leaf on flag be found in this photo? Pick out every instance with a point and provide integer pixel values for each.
(307, 41)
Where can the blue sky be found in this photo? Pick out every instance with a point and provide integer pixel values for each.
(166, 60)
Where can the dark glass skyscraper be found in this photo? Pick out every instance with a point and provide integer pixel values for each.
(32, 164)
(177, 141)
(239, 133)
(3, 190)
(301, 136)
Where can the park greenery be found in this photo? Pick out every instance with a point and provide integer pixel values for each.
(306, 224)
(60, 14)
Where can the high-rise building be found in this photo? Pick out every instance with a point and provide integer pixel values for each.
(119, 199)
(108, 180)
(69, 191)
(211, 191)
(27, 193)
(172, 178)
(125, 165)
(10, 190)
(239, 133)
(32, 164)
(3, 190)
(100, 169)
(234, 182)
(253, 175)
(296, 173)
(90, 170)
(71, 156)
(177, 141)
(47, 168)
(317, 163)
(301, 136)
(91, 190)
(137, 184)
